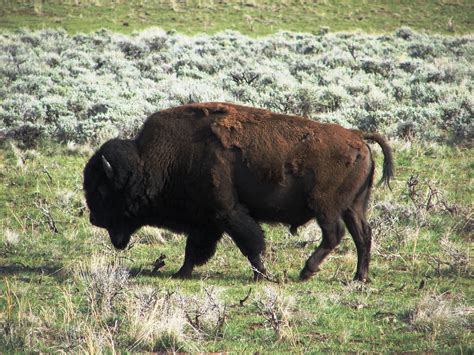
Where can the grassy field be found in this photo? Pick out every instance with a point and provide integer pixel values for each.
(247, 16)
(63, 288)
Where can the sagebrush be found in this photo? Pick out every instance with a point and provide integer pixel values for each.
(89, 87)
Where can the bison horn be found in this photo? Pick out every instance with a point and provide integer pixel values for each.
(109, 171)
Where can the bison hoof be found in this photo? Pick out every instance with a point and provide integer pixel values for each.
(259, 275)
(361, 278)
(306, 274)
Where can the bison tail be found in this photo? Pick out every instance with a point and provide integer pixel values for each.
(387, 171)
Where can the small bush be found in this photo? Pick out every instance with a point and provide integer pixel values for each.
(404, 32)
(277, 310)
(105, 281)
(382, 67)
(157, 321)
(206, 313)
(453, 255)
(420, 50)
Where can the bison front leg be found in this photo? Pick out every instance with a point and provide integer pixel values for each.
(248, 236)
(200, 247)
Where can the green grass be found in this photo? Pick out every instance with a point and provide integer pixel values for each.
(420, 297)
(251, 17)
(46, 306)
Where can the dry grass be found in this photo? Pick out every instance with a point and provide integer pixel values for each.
(277, 309)
(10, 238)
(441, 314)
(454, 255)
(80, 149)
(157, 320)
(71, 292)
(206, 312)
(105, 281)
(152, 235)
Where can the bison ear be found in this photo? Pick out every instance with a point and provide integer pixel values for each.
(109, 171)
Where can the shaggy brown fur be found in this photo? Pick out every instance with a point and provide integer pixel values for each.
(210, 168)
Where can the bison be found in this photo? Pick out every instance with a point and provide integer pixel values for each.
(208, 168)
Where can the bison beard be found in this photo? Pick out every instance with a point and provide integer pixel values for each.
(205, 169)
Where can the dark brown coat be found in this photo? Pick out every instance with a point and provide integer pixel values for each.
(210, 168)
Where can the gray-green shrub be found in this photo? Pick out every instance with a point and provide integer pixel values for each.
(89, 87)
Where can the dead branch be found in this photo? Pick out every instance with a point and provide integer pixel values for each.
(242, 301)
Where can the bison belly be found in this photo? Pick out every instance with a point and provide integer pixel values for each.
(284, 201)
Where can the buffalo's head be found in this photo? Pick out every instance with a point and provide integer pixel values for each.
(112, 184)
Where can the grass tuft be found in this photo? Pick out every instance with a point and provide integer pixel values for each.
(440, 314)
(277, 309)
(105, 280)
(157, 320)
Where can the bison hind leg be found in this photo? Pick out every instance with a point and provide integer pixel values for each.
(356, 222)
(332, 235)
(362, 235)
(361, 232)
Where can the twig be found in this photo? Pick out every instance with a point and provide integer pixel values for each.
(49, 218)
(438, 262)
(245, 77)
(47, 174)
(159, 263)
(265, 276)
(352, 49)
(412, 192)
(335, 273)
(242, 301)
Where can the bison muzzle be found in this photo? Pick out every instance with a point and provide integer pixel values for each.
(209, 168)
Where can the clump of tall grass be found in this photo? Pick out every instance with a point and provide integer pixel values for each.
(440, 314)
(277, 310)
(206, 313)
(105, 281)
(453, 257)
(10, 238)
(156, 321)
(399, 219)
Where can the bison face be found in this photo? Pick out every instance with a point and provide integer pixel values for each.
(111, 185)
(108, 209)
